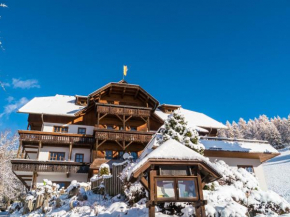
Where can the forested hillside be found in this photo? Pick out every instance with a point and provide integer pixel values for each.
(275, 130)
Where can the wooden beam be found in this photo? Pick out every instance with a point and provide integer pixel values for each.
(128, 144)
(123, 93)
(145, 184)
(103, 116)
(70, 151)
(34, 177)
(148, 124)
(119, 117)
(32, 147)
(98, 120)
(110, 91)
(136, 94)
(39, 147)
(152, 175)
(20, 145)
(119, 143)
(128, 118)
(102, 143)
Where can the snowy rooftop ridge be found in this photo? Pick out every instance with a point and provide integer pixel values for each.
(52, 105)
(194, 119)
(172, 150)
(237, 145)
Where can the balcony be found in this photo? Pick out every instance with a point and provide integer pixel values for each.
(123, 110)
(128, 136)
(51, 137)
(27, 165)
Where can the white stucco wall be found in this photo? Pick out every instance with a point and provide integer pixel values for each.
(258, 168)
(48, 127)
(61, 177)
(44, 152)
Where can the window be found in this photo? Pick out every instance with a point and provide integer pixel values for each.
(79, 158)
(134, 155)
(58, 129)
(249, 168)
(83, 102)
(176, 189)
(110, 127)
(133, 128)
(81, 130)
(61, 185)
(110, 102)
(174, 170)
(120, 155)
(56, 156)
(186, 188)
(165, 189)
(109, 155)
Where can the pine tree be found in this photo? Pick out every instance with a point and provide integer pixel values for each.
(222, 133)
(236, 130)
(176, 128)
(230, 132)
(242, 126)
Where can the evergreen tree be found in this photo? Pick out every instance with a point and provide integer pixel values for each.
(222, 133)
(236, 130)
(242, 126)
(230, 132)
(176, 128)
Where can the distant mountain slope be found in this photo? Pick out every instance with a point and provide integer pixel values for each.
(277, 172)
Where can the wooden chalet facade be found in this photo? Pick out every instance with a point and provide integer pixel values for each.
(114, 119)
(69, 137)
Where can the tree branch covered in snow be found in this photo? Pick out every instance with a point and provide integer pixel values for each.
(275, 130)
(10, 186)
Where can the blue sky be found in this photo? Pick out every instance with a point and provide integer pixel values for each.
(227, 59)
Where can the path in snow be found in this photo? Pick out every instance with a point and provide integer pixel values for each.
(277, 173)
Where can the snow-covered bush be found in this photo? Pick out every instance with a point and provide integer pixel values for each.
(238, 193)
(175, 127)
(104, 169)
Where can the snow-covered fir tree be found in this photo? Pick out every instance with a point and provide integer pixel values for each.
(275, 130)
(175, 127)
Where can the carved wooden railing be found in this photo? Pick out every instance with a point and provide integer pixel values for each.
(49, 166)
(123, 136)
(25, 135)
(121, 110)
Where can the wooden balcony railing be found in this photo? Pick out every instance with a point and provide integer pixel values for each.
(50, 137)
(128, 136)
(121, 110)
(49, 166)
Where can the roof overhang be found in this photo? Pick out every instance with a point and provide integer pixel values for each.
(125, 86)
(211, 173)
(262, 156)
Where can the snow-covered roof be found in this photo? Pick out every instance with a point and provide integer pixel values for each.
(195, 119)
(171, 150)
(52, 105)
(250, 146)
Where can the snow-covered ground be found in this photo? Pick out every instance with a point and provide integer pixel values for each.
(277, 172)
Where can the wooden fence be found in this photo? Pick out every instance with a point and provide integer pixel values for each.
(113, 185)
